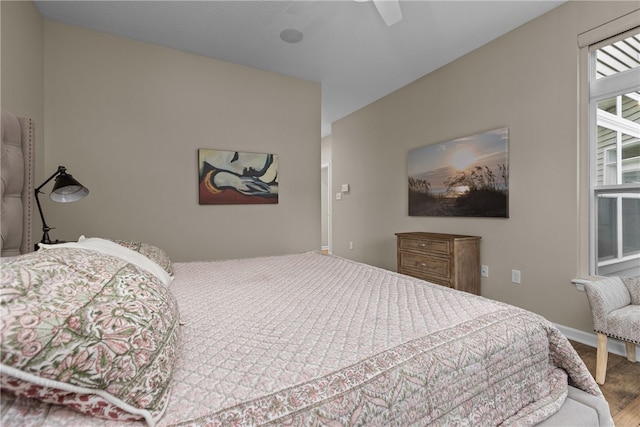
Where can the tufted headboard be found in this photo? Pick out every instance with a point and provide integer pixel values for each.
(16, 191)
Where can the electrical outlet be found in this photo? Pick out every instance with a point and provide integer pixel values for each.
(350, 245)
(515, 276)
(484, 271)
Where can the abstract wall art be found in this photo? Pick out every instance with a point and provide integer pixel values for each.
(235, 177)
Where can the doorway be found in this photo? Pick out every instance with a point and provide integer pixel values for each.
(325, 207)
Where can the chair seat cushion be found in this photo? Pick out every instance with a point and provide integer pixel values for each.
(624, 324)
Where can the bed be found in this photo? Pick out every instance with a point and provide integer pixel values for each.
(112, 333)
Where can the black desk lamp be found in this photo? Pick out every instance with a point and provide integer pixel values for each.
(66, 189)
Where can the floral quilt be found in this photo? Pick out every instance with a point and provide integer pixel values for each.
(87, 331)
(312, 339)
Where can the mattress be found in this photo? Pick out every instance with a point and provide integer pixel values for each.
(312, 339)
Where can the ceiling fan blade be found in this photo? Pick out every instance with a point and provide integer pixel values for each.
(389, 10)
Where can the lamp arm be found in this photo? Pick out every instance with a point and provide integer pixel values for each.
(45, 227)
(60, 170)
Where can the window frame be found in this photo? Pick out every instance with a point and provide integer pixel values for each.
(599, 89)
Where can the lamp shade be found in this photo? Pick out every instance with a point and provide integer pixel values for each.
(66, 189)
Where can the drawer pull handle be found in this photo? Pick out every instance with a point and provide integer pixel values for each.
(423, 264)
(422, 245)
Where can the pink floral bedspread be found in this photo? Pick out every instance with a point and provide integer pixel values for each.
(312, 339)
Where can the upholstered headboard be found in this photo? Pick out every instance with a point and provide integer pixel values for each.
(16, 191)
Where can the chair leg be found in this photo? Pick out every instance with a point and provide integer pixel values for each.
(631, 351)
(601, 359)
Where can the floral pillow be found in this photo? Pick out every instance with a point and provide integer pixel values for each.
(88, 331)
(109, 247)
(154, 253)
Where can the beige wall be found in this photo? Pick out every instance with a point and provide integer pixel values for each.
(526, 80)
(22, 72)
(127, 118)
(22, 60)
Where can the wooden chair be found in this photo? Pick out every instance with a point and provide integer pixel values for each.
(615, 307)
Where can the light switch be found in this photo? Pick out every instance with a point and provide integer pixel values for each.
(345, 188)
(515, 276)
(338, 196)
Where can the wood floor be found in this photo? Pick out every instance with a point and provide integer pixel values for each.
(621, 387)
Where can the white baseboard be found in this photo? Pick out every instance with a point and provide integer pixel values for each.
(613, 346)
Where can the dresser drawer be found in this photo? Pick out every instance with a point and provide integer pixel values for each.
(451, 260)
(441, 247)
(426, 266)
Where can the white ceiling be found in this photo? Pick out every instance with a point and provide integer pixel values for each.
(346, 45)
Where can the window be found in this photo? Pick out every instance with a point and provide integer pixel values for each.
(614, 111)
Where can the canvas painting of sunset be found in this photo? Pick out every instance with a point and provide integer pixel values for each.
(466, 177)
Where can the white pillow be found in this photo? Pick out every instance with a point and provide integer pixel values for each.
(108, 247)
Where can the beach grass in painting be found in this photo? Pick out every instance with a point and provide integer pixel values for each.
(466, 177)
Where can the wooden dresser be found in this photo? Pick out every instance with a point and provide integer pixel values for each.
(446, 259)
